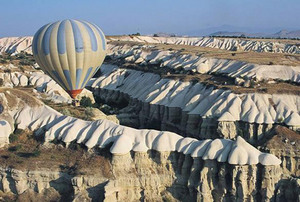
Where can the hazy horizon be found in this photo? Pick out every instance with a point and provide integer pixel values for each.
(192, 17)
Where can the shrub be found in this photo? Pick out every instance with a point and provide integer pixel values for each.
(26, 62)
(136, 34)
(36, 153)
(86, 102)
(240, 132)
(21, 68)
(74, 146)
(3, 61)
(280, 119)
(15, 148)
(88, 113)
(252, 83)
(66, 112)
(21, 55)
(14, 136)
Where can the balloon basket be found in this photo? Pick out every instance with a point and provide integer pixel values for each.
(75, 103)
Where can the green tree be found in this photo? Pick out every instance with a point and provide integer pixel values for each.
(86, 102)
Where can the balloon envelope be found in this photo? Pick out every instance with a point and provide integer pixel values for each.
(70, 52)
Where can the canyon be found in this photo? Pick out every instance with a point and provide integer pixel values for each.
(190, 129)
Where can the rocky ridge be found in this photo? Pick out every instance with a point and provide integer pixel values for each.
(46, 121)
(202, 167)
(17, 44)
(14, 45)
(193, 108)
(143, 55)
(219, 43)
(42, 83)
(185, 169)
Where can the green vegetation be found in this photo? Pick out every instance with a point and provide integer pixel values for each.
(15, 148)
(18, 148)
(3, 61)
(25, 59)
(15, 135)
(240, 132)
(280, 119)
(66, 112)
(20, 59)
(27, 153)
(36, 153)
(88, 113)
(81, 112)
(86, 102)
(136, 34)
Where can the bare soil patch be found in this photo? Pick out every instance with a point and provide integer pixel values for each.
(25, 152)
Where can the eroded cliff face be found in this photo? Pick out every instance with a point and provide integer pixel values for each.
(158, 176)
(151, 165)
(146, 115)
(15, 45)
(151, 175)
(169, 176)
(64, 186)
(215, 42)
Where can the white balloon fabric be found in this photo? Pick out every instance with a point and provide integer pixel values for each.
(70, 52)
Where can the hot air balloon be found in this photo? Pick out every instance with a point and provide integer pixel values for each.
(70, 52)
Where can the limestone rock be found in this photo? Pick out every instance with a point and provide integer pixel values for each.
(5, 131)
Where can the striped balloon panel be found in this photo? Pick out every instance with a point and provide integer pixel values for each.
(70, 51)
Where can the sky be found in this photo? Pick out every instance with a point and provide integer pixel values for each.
(183, 17)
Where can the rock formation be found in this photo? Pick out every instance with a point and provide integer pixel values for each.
(143, 55)
(195, 109)
(15, 45)
(215, 42)
(186, 168)
(224, 145)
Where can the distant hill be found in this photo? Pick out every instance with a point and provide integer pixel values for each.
(287, 34)
(280, 34)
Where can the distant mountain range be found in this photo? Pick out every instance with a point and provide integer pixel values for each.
(280, 34)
